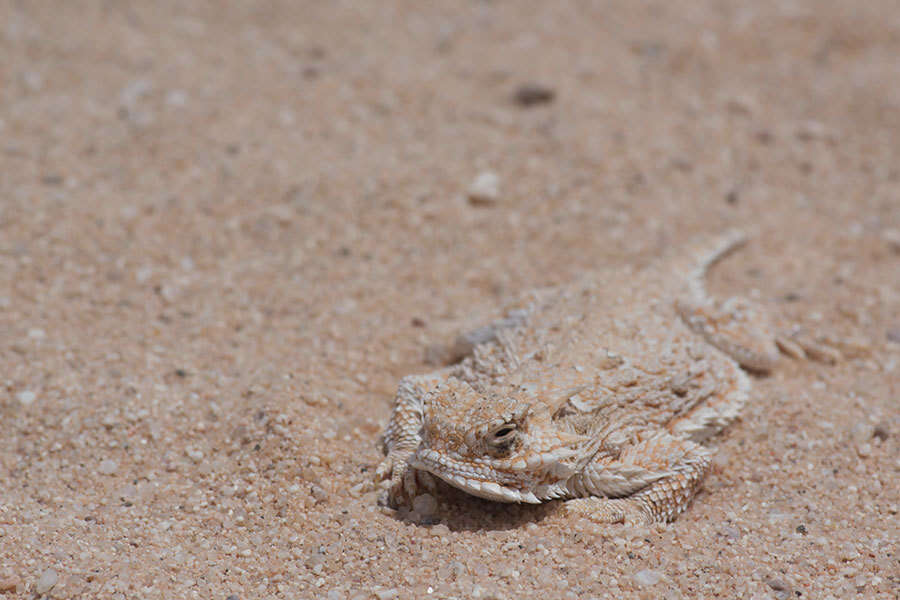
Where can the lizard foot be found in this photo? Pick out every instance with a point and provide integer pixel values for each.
(796, 344)
(402, 482)
(628, 511)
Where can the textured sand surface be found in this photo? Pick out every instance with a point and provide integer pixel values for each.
(228, 229)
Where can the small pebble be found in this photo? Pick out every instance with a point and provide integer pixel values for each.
(764, 136)
(438, 354)
(781, 587)
(682, 164)
(647, 577)
(731, 533)
(893, 335)
(134, 91)
(848, 553)
(387, 594)
(194, 454)
(8, 584)
(485, 189)
(33, 80)
(424, 505)
(315, 562)
(892, 237)
(862, 432)
(46, 582)
(108, 467)
(177, 98)
(533, 94)
(26, 397)
(811, 130)
(457, 568)
(318, 492)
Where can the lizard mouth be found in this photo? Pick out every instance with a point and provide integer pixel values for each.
(476, 479)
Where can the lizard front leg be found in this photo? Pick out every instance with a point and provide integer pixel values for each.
(650, 482)
(403, 434)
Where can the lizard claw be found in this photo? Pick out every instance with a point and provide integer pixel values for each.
(402, 482)
(797, 344)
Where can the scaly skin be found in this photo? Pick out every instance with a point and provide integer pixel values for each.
(600, 393)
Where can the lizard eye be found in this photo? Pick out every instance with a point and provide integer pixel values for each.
(504, 435)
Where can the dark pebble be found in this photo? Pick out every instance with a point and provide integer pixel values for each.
(52, 179)
(533, 94)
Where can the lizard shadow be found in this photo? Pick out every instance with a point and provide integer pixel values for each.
(460, 511)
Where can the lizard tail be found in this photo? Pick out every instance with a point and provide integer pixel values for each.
(704, 253)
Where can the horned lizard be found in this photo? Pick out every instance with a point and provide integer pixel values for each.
(600, 393)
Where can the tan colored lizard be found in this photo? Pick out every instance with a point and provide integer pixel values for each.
(600, 393)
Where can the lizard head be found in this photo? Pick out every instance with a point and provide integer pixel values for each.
(502, 447)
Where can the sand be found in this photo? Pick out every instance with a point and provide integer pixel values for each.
(228, 229)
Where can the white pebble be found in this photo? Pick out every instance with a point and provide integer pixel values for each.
(132, 92)
(26, 397)
(862, 432)
(46, 582)
(647, 577)
(849, 553)
(892, 237)
(176, 98)
(318, 492)
(143, 274)
(33, 80)
(386, 594)
(108, 467)
(128, 212)
(194, 454)
(37, 334)
(287, 117)
(485, 189)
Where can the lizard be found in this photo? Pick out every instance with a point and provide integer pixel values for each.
(601, 393)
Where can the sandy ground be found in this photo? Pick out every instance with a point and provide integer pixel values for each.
(228, 229)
